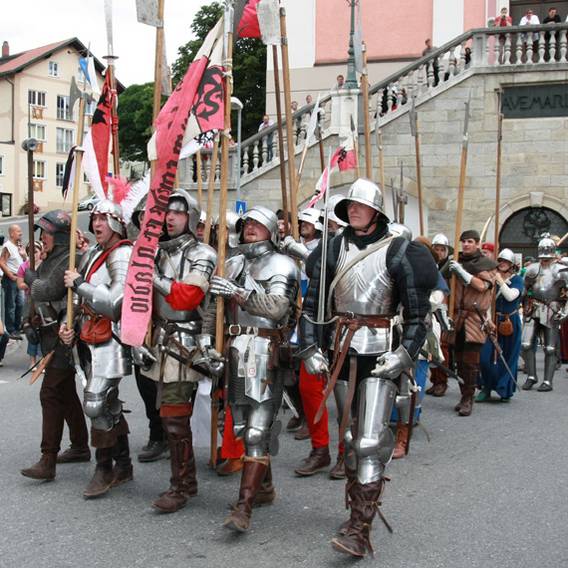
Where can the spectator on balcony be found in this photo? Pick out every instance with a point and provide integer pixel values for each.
(267, 123)
(552, 18)
(529, 19)
(340, 83)
(503, 20)
(434, 65)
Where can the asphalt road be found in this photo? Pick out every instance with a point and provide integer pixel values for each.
(485, 491)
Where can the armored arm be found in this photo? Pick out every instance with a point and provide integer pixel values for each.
(50, 288)
(278, 300)
(415, 274)
(106, 299)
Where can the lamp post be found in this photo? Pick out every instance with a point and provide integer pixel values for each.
(29, 145)
(351, 81)
(237, 105)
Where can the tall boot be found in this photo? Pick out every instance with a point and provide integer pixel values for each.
(365, 501)
(529, 356)
(402, 441)
(44, 469)
(469, 375)
(254, 471)
(266, 493)
(183, 482)
(351, 478)
(102, 479)
(122, 471)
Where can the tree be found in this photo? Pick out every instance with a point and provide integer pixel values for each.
(249, 66)
(135, 121)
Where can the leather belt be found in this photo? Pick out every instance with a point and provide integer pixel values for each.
(236, 329)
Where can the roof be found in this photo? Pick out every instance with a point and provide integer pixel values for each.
(19, 61)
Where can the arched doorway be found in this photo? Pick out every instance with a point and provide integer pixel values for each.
(523, 229)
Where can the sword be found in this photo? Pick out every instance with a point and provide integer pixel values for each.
(447, 370)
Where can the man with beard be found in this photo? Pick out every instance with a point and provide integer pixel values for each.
(183, 269)
(370, 274)
(58, 394)
(475, 274)
(261, 286)
(99, 285)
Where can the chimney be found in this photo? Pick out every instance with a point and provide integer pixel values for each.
(5, 49)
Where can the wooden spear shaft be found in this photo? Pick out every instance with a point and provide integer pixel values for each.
(282, 167)
(498, 172)
(289, 126)
(419, 178)
(211, 191)
(75, 205)
(114, 116)
(199, 179)
(158, 62)
(367, 126)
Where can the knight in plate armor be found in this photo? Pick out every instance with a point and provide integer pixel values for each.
(99, 286)
(184, 267)
(377, 288)
(545, 285)
(260, 286)
(58, 394)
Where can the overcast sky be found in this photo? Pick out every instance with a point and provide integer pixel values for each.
(26, 24)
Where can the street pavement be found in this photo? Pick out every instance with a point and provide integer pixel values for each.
(486, 491)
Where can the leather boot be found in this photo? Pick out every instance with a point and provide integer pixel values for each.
(303, 433)
(402, 441)
(253, 474)
(439, 389)
(266, 493)
(229, 466)
(318, 459)
(153, 451)
(351, 478)
(365, 501)
(103, 476)
(183, 483)
(74, 455)
(469, 375)
(43, 469)
(338, 470)
(122, 471)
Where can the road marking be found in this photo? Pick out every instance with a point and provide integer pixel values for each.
(3, 382)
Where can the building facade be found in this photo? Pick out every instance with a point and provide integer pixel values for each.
(34, 103)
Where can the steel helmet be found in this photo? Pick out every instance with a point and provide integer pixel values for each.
(261, 215)
(332, 201)
(546, 247)
(181, 200)
(114, 215)
(313, 216)
(507, 254)
(56, 223)
(442, 240)
(362, 191)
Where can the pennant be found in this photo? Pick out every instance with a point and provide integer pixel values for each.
(312, 125)
(147, 13)
(358, 41)
(165, 74)
(97, 142)
(204, 140)
(190, 97)
(68, 173)
(268, 13)
(248, 24)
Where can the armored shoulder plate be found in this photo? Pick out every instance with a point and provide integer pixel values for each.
(277, 272)
(532, 270)
(234, 267)
(202, 258)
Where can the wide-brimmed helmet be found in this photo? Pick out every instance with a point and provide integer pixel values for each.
(363, 191)
(261, 215)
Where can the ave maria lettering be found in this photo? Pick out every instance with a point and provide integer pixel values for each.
(535, 101)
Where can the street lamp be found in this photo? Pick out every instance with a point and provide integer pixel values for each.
(351, 81)
(237, 105)
(29, 145)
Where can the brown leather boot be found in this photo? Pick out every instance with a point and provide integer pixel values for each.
(183, 482)
(266, 494)
(101, 481)
(74, 455)
(303, 433)
(466, 406)
(338, 470)
(122, 471)
(253, 474)
(44, 469)
(439, 389)
(402, 441)
(318, 459)
(469, 375)
(365, 501)
(229, 466)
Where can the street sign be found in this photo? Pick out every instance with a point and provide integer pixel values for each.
(241, 207)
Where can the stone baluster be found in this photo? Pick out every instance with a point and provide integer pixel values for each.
(275, 145)
(207, 165)
(498, 40)
(462, 62)
(541, 47)
(430, 74)
(255, 156)
(518, 49)
(507, 55)
(264, 152)
(218, 166)
(452, 63)
(552, 48)
(246, 159)
(390, 97)
(530, 51)
(563, 45)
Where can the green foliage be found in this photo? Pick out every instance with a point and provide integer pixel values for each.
(135, 121)
(249, 66)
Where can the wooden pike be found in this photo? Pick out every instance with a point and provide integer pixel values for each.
(211, 191)
(367, 127)
(416, 135)
(199, 178)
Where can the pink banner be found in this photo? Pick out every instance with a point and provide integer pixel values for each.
(170, 128)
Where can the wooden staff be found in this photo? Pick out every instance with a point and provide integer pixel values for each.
(199, 178)
(415, 133)
(498, 170)
(282, 167)
(459, 210)
(367, 127)
(380, 147)
(289, 126)
(75, 204)
(158, 62)
(31, 222)
(222, 240)
(211, 191)
(355, 138)
(114, 117)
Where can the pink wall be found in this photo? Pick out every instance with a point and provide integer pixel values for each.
(474, 14)
(390, 29)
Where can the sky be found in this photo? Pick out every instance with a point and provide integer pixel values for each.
(26, 24)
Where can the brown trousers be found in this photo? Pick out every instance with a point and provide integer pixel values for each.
(60, 403)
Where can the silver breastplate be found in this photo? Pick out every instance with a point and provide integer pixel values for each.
(548, 284)
(366, 289)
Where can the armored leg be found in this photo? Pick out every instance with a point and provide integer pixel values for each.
(101, 403)
(468, 369)
(340, 395)
(122, 471)
(550, 357)
(403, 403)
(528, 351)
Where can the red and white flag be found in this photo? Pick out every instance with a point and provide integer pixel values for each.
(260, 19)
(196, 103)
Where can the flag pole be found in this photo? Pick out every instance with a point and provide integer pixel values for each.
(282, 167)
(222, 241)
(416, 135)
(157, 102)
(380, 148)
(75, 204)
(289, 125)
(497, 196)
(459, 208)
(365, 89)
(355, 137)
(199, 178)
(211, 190)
